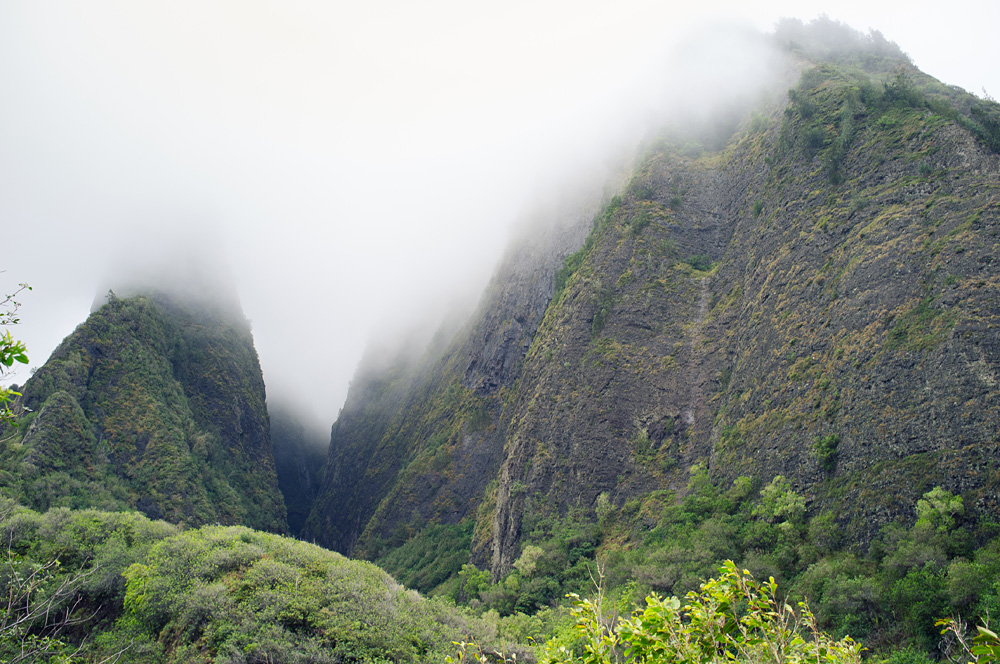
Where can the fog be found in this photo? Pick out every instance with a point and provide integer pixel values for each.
(347, 169)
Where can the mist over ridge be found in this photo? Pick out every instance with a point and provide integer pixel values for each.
(343, 202)
(611, 302)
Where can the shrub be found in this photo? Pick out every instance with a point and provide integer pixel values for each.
(732, 618)
(812, 140)
(605, 300)
(700, 262)
(825, 450)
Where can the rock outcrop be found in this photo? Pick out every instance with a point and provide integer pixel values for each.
(817, 298)
(154, 403)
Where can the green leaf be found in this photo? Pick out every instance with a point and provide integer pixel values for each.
(987, 633)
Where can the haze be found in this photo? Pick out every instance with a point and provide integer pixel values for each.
(349, 167)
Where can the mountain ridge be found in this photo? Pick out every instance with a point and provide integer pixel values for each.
(667, 341)
(156, 404)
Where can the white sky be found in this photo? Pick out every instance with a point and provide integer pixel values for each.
(351, 164)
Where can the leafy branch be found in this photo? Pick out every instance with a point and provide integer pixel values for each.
(11, 350)
(732, 618)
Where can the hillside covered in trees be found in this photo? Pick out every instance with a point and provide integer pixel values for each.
(155, 404)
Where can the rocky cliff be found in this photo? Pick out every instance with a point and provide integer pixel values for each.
(418, 440)
(811, 293)
(154, 403)
(299, 454)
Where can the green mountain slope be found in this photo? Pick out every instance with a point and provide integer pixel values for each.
(137, 590)
(153, 404)
(821, 303)
(810, 293)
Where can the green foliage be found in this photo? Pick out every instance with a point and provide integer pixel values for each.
(701, 262)
(604, 305)
(780, 503)
(890, 596)
(153, 405)
(813, 139)
(31, 618)
(237, 592)
(472, 582)
(921, 327)
(639, 222)
(731, 618)
(569, 267)
(11, 351)
(430, 558)
(985, 123)
(758, 123)
(644, 193)
(112, 581)
(825, 450)
(62, 576)
(981, 646)
(901, 91)
(574, 261)
(938, 511)
(556, 559)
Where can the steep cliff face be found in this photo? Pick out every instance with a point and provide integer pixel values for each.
(816, 298)
(299, 454)
(155, 404)
(418, 440)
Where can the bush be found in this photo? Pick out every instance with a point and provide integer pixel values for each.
(732, 618)
(700, 262)
(825, 450)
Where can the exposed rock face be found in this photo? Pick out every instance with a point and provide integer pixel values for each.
(518, 296)
(155, 404)
(299, 455)
(419, 438)
(862, 312)
(817, 299)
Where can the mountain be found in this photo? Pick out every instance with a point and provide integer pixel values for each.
(299, 454)
(420, 429)
(155, 403)
(802, 289)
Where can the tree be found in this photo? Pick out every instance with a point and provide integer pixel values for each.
(11, 350)
(38, 605)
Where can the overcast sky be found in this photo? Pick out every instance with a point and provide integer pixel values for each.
(350, 165)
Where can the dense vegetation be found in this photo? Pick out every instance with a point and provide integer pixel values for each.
(118, 583)
(776, 346)
(153, 404)
(887, 594)
(100, 584)
(731, 618)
